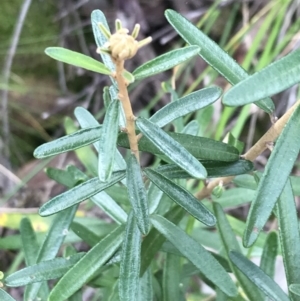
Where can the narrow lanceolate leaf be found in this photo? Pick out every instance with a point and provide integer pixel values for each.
(214, 169)
(258, 277)
(154, 240)
(4, 296)
(137, 194)
(29, 241)
(45, 270)
(274, 178)
(146, 289)
(165, 62)
(70, 142)
(273, 79)
(171, 278)
(76, 59)
(57, 233)
(97, 17)
(110, 207)
(79, 194)
(200, 147)
(268, 258)
(201, 258)
(172, 149)
(86, 267)
(185, 105)
(289, 235)
(130, 261)
(230, 243)
(182, 197)
(108, 141)
(213, 54)
(86, 119)
(295, 288)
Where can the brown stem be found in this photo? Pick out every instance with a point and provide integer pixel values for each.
(124, 98)
(270, 136)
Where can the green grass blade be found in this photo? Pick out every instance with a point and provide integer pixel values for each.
(185, 105)
(108, 141)
(273, 79)
(70, 142)
(85, 268)
(76, 59)
(230, 243)
(213, 54)
(4, 296)
(154, 240)
(268, 258)
(214, 169)
(130, 261)
(201, 258)
(274, 178)
(182, 197)
(289, 235)
(199, 147)
(45, 270)
(110, 207)
(171, 278)
(165, 62)
(137, 194)
(79, 194)
(258, 277)
(171, 148)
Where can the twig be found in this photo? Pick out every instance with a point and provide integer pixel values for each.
(270, 136)
(6, 74)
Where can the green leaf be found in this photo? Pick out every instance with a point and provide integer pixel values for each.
(108, 141)
(182, 197)
(235, 142)
(45, 270)
(289, 235)
(268, 258)
(230, 242)
(154, 195)
(86, 119)
(86, 267)
(154, 240)
(54, 239)
(146, 289)
(137, 194)
(258, 277)
(171, 278)
(171, 148)
(78, 194)
(273, 79)
(214, 169)
(77, 59)
(295, 288)
(201, 258)
(199, 147)
(29, 241)
(165, 61)
(4, 296)
(213, 54)
(97, 17)
(129, 77)
(274, 178)
(85, 234)
(70, 142)
(185, 105)
(110, 207)
(130, 262)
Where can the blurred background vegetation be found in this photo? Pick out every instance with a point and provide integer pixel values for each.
(41, 91)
